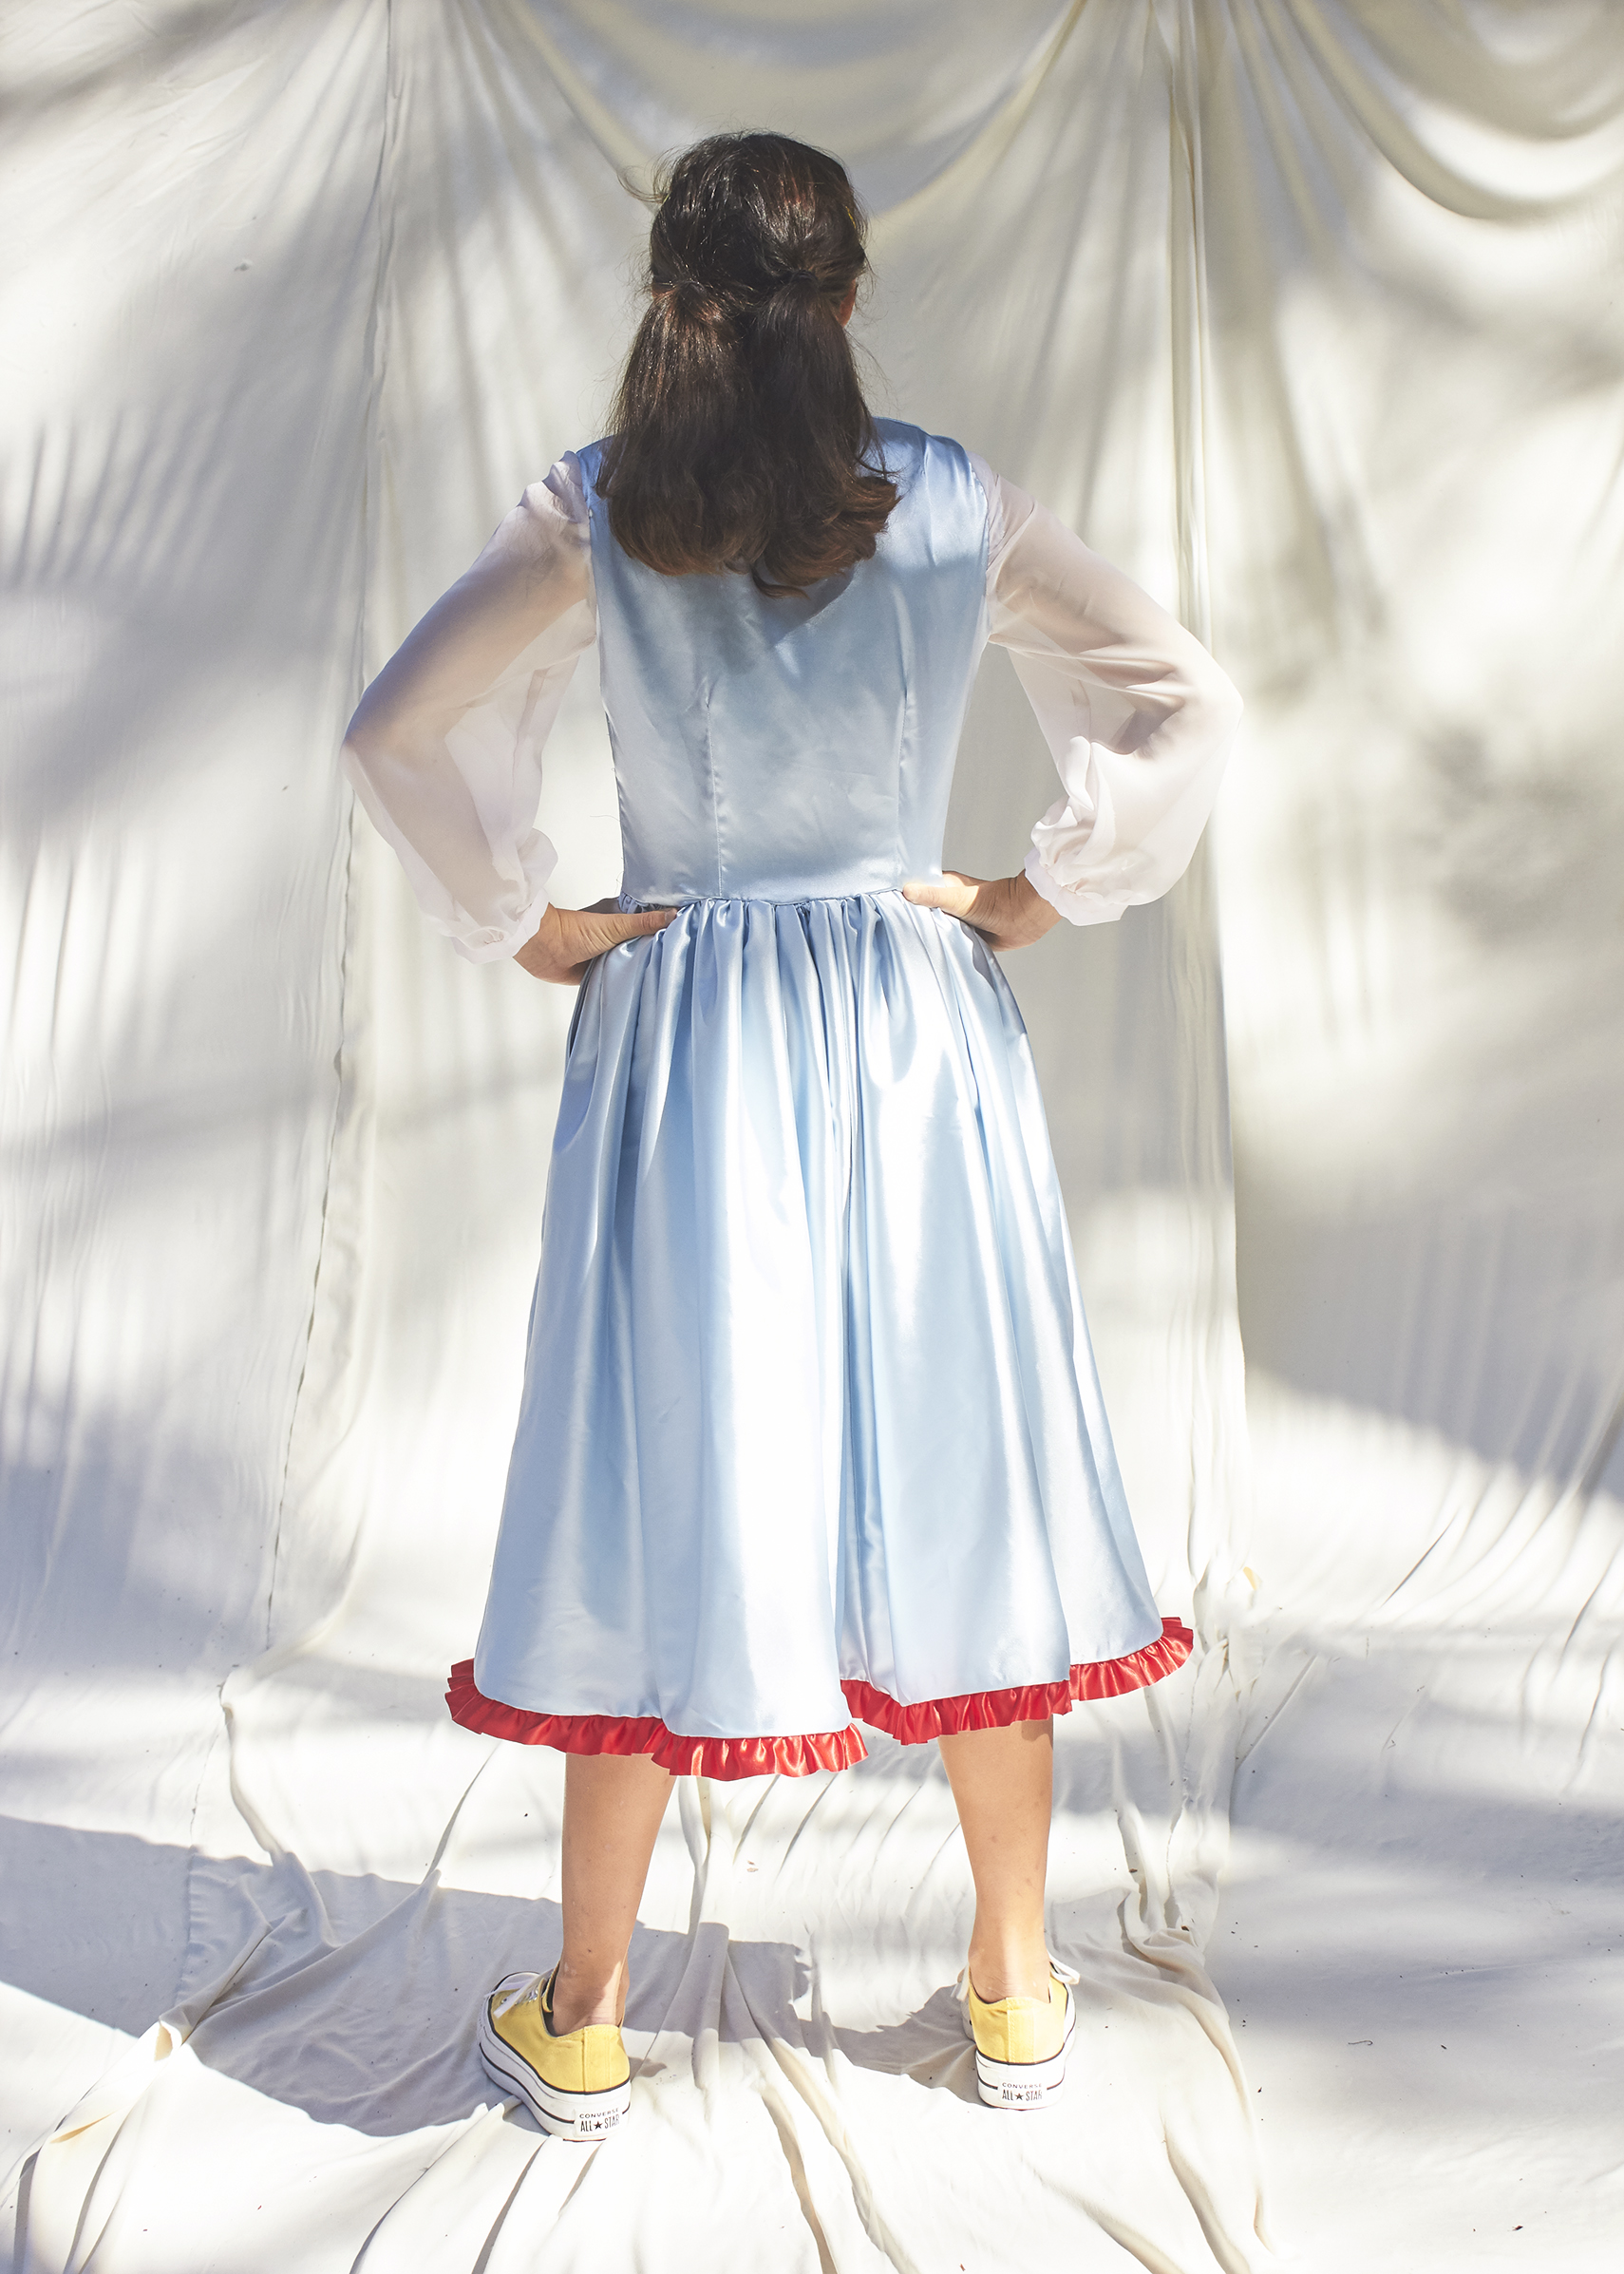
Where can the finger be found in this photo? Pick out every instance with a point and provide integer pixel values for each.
(605, 931)
(955, 893)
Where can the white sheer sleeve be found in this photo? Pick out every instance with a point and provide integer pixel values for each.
(445, 750)
(1138, 717)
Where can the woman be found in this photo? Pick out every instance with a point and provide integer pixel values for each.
(811, 1434)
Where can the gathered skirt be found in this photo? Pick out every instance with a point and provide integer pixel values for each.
(811, 1431)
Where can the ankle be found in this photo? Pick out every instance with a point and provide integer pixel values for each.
(1008, 1965)
(587, 1996)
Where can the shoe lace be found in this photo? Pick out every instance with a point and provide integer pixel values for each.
(530, 1987)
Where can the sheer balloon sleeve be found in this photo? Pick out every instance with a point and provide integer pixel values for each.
(445, 750)
(1138, 716)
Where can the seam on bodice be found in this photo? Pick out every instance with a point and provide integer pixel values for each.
(710, 788)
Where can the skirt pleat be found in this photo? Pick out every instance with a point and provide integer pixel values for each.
(810, 1424)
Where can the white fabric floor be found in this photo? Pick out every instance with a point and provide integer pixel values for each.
(1308, 314)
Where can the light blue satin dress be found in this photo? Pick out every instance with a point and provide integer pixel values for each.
(811, 1430)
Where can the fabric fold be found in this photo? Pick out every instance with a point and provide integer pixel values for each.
(809, 1398)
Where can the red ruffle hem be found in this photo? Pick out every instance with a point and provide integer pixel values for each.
(726, 1758)
(997, 1709)
(722, 1757)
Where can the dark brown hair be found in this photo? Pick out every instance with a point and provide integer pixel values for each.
(740, 437)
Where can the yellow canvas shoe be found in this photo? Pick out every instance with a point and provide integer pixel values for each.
(1020, 2042)
(577, 2084)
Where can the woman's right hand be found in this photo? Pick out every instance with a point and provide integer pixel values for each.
(1008, 912)
(567, 940)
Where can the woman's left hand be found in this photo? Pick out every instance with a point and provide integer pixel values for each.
(1008, 912)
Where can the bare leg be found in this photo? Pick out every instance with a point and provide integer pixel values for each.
(611, 1813)
(1002, 1782)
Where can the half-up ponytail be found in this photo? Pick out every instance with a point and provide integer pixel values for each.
(741, 439)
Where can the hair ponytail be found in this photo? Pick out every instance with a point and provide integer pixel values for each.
(741, 438)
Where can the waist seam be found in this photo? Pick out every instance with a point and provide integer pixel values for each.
(632, 902)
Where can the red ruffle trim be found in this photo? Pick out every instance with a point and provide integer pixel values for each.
(727, 1759)
(722, 1757)
(997, 1709)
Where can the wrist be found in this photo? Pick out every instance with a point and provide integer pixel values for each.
(537, 955)
(1037, 912)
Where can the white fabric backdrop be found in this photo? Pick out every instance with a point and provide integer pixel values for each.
(1305, 313)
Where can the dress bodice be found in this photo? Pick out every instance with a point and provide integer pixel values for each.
(794, 748)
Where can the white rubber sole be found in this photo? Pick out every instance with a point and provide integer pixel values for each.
(1024, 2084)
(566, 2115)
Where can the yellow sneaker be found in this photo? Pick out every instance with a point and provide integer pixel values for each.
(577, 2084)
(1020, 2042)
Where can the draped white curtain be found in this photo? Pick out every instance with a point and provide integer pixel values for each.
(1306, 314)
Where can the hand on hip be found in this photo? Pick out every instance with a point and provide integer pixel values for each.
(1008, 912)
(567, 940)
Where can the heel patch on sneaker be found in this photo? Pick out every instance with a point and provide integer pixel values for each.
(1023, 2085)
